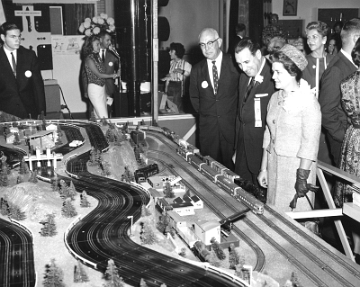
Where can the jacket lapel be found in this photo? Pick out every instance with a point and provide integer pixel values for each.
(5, 62)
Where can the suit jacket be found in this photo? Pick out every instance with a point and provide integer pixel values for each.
(111, 64)
(24, 94)
(334, 119)
(216, 112)
(252, 136)
(293, 124)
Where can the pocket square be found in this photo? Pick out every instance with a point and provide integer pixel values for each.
(261, 95)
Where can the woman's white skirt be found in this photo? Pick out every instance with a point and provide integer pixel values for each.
(97, 96)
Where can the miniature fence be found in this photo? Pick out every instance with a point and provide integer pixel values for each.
(332, 211)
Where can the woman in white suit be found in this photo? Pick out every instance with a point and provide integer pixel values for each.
(291, 140)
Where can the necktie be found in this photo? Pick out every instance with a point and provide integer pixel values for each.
(215, 77)
(103, 55)
(13, 64)
(249, 87)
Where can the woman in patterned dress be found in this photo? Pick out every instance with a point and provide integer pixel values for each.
(291, 139)
(350, 150)
(96, 76)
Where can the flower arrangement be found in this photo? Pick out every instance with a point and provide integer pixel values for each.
(96, 24)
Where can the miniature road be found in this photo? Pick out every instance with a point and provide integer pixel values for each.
(16, 253)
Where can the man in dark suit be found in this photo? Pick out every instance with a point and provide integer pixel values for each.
(255, 90)
(334, 119)
(213, 93)
(111, 65)
(22, 91)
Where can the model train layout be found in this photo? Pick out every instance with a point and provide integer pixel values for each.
(159, 165)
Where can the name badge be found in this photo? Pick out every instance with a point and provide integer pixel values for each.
(261, 95)
(257, 110)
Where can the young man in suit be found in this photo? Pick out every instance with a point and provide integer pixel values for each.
(334, 119)
(111, 65)
(213, 93)
(255, 90)
(22, 91)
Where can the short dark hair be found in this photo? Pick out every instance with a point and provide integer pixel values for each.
(355, 53)
(88, 48)
(240, 27)
(247, 43)
(339, 24)
(8, 26)
(178, 48)
(289, 65)
(104, 32)
(350, 27)
(321, 27)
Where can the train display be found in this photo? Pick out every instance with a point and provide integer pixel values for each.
(215, 171)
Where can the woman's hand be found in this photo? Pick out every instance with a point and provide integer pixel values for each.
(178, 70)
(263, 178)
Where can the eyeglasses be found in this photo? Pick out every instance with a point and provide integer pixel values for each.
(209, 44)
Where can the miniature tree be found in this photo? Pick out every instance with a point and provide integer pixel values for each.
(80, 274)
(218, 251)
(71, 191)
(127, 175)
(112, 275)
(4, 207)
(168, 191)
(53, 275)
(143, 283)
(16, 212)
(147, 235)
(63, 188)
(84, 202)
(49, 228)
(24, 169)
(233, 257)
(163, 224)
(17, 139)
(33, 177)
(68, 209)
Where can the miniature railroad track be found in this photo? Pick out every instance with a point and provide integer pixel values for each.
(309, 273)
(106, 236)
(260, 256)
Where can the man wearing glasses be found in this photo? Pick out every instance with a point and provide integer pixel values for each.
(213, 93)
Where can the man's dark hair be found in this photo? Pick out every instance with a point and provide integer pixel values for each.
(8, 26)
(103, 33)
(247, 43)
(178, 48)
(240, 27)
(355, 53)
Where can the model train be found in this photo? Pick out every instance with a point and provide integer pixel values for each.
(143, 173)
(215, 171)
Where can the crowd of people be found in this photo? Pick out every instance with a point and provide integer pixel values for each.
(269, 121)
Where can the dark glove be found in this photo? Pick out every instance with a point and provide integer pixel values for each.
(301, 186)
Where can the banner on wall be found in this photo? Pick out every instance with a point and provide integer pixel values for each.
(66, 45)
